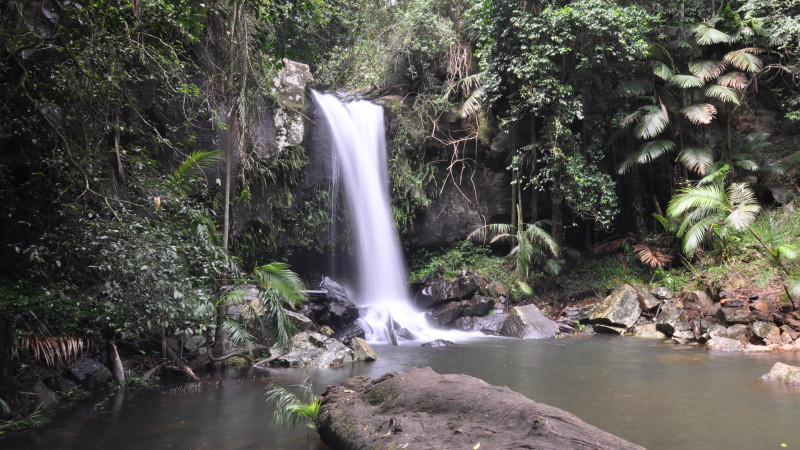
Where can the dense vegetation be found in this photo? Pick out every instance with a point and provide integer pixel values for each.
(626, 125)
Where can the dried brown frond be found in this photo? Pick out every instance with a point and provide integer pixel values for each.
(54, 350)
(651, 256)
(611, 245)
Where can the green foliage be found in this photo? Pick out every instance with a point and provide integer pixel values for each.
(290, 409)
(533, 246)
(449, 261)
(604, 273)
(710, 207)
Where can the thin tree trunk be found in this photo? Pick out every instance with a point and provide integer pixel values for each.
(558, 214)
(514, 196)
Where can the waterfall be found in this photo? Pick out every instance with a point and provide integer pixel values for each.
(358, 139)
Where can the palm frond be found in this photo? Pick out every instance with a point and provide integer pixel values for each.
(472, 103)
(735, 80)
(707, 70)
(237, 333)
(700, 114)
(283, 326)
(53, 351)
(695, 197)
(722, 93)
(537, 235)
(287, 284)
(191, 167)
(652, 123)
(291, 409)
(744, 206)
(651, 256)
(611, 245)
(745, 60)
(706, 34)
(490, 231)
(697, 233)
(631, 118)
(687, 81)
(645, 154)
(697, 159)
(717, 175)
(787, 251)
(663, 71)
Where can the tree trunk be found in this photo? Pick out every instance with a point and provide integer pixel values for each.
(557, 197)
(514, 187)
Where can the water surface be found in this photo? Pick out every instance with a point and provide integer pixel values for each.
(657, 395)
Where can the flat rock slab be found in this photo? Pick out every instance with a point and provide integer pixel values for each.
(421, 409)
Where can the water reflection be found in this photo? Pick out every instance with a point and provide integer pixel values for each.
(656, 395)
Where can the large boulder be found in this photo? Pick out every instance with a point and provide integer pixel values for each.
(309, 349)
(480, 305)
(620, 309)
(732, 316)
(333, 309)
(491, 324)
(89, 373)
(672, 319)
(725, 344)
(528, 322)
(445, 313)
(425, 410)
(435, 292)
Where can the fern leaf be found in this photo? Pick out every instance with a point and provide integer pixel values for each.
(652, 257)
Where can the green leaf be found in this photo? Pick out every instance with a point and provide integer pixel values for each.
(744, 60)
(706, 34)
(687, 81)
(697, 159)
(735, 80)
(706, 70)
(722, 93)
(700, 114)
(652, 123)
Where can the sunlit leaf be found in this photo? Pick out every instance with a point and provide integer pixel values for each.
(700, 114)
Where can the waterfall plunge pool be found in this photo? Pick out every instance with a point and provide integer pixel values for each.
(660, 396)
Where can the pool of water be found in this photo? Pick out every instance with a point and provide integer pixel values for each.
(660, 396)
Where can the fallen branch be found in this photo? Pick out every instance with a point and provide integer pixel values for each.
(264, 362)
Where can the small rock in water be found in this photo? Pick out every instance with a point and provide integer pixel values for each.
(784, 373)
(439, 343)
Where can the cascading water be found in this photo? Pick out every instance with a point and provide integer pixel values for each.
(358, 139)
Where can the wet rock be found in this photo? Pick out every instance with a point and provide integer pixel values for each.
(309, 349)
(445, 314)
(731, 316)
(466, 285)
(621, 308)
(496, 290)
(739, 332)
(717, 330)
(362, 351)
(481, 305)
(421, 409)
(528, 322)
(650, 301)
(247, 295)
(491, 324)
(610, 329)
(648, 330)
(699, 298)
(732, 303)
(46, 397)
(725, 344)
(579, 313)
(784, 373)
(790, 332)
(300, 322)
(438, 343)
(194, 343)
(59, 384)
(767, 331)
(353, 331)
(672, 318)
(435, 292)
(333, 309)
(662, 293)
(289, 88)
(89, 373)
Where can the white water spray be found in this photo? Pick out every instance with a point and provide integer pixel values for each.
(358, 137)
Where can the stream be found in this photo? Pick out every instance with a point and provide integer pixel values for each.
(661, 396)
